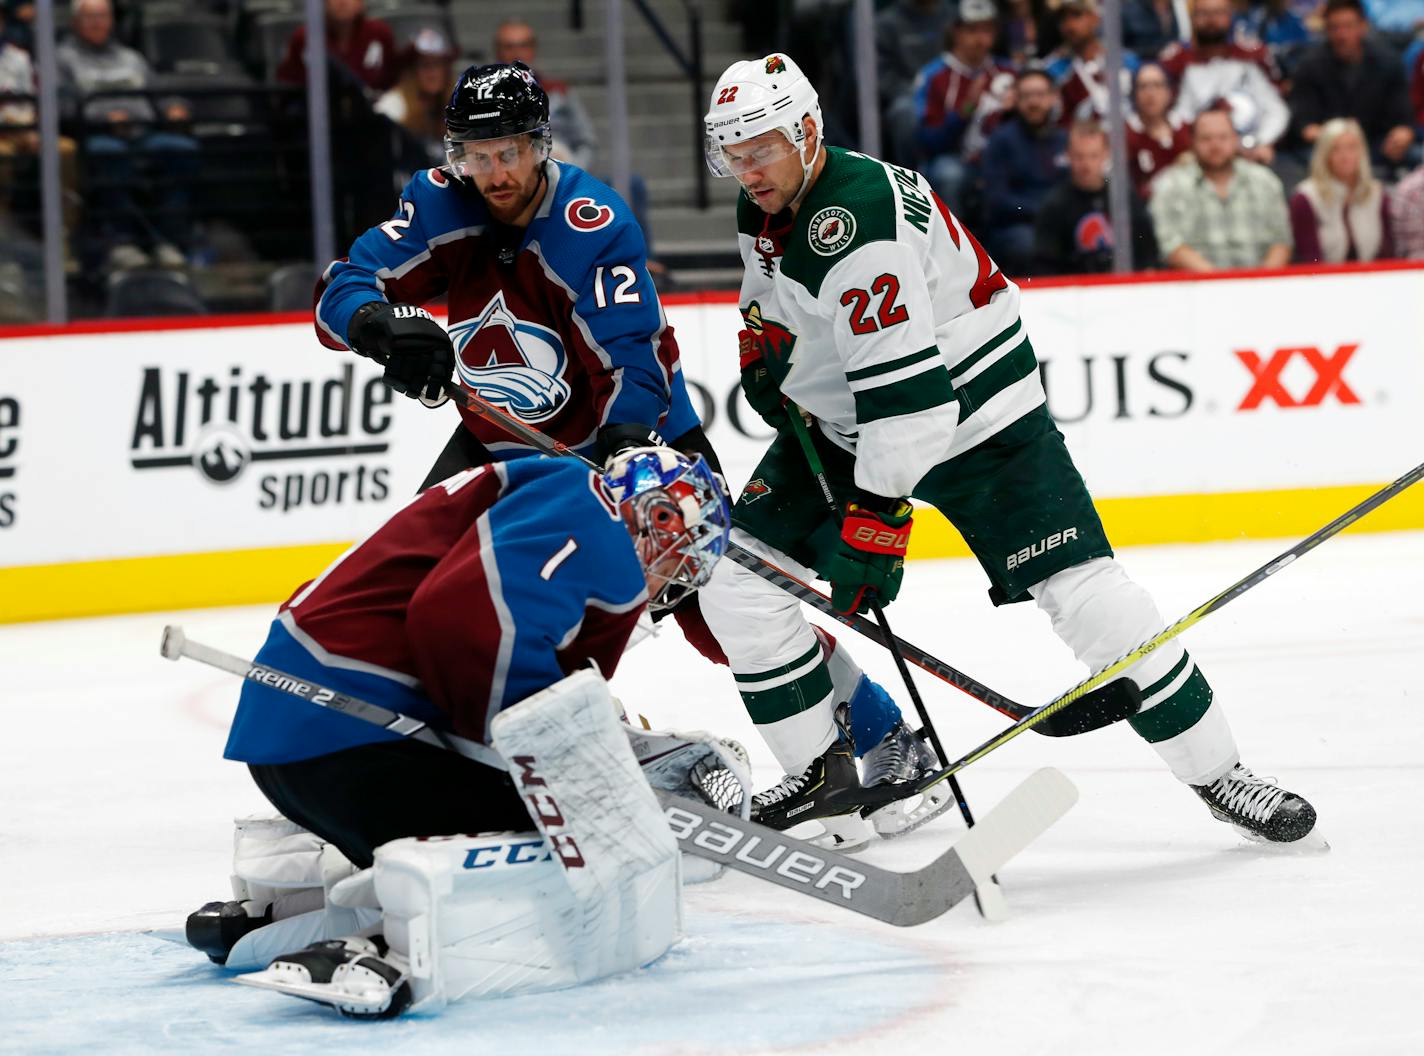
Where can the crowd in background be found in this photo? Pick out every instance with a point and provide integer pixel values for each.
(1258, 133)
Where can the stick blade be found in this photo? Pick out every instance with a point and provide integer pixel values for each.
(1018, 819)
(1104, 706)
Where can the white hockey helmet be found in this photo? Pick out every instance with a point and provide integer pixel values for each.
(756, 96)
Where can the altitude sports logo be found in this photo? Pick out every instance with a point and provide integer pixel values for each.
(831, 230)
(222, 426)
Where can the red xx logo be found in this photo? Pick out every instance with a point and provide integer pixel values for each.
(1266, 381)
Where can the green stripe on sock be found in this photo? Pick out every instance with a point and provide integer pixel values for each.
(1166, 680)
(1178, 713)
(772, 705)
(779, 672)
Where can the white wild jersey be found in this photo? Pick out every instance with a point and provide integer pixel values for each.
(880, 314)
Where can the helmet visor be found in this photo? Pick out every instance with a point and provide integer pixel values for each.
(738, 159)
(470, 157)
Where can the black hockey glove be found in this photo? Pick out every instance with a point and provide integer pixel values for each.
(615, 438)
(759, 386)
(407, 341)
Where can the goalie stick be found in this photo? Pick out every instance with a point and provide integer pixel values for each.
(902, 899)
(1090, 712)
(1201, 612)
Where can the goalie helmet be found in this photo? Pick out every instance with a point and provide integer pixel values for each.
(675, 508)
(756, 96)
(497, 101)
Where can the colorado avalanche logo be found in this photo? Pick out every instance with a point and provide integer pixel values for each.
(513, 363)
(584, 214)
(1093, 233)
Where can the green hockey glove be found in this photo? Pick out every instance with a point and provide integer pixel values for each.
(870, 560)
(759, 386)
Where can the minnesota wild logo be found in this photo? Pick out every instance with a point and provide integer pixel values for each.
(755, 489)
(775, 64)
(831, 230)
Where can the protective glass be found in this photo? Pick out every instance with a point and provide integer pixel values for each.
(737, 159)
(470, 157)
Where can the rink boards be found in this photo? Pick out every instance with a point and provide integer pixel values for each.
(225, 460)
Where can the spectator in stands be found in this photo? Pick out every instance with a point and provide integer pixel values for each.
(574, 140)
(1025, 157)
(1214, 69)
(19, 27)
(1074, 233)
(1279, 28)
(1340, 212)
(134, 149)
(1217, 209)
(1155, 137)
(950, 92)
(364, 46)
(1349, 76)
(1402, 18)
(1077, 66)
(1148, 26)
(908, 34)
(417, 102)
(1406, 210)
(19, 136)
(1019, 32)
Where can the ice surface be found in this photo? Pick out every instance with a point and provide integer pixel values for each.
(1139, 923)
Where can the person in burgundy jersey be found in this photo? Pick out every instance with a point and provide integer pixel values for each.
(1155, 137)
(484, 590)
(365, 46)
(552, 314)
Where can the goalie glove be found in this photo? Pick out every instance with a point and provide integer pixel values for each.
(870, 559)
(407, 341)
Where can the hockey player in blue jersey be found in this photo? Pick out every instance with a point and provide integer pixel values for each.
(493, 606)
(552, 317)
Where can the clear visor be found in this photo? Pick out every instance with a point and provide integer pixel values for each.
(471, 157)
(738, 159)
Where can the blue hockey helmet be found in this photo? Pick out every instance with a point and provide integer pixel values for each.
(675, 508)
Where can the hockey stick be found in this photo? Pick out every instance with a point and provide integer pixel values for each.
(990, 898)
(1198, 614)
(1091, 712)
(902, 899)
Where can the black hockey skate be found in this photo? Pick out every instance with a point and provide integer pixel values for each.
(1256, 808)
(355, 975)
(216, 927)
(827, 791)
(902, 758)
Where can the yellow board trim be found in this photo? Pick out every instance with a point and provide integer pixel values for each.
(248, 577)
(1157, 519)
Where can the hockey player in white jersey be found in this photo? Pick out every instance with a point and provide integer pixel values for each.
(868, 305)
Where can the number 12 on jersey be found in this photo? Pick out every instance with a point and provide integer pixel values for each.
(624, 279)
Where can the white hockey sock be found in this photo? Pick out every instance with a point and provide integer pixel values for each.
(1101, 614)
(776, 659)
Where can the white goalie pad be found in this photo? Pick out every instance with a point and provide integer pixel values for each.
(594, 893)
(281, 867)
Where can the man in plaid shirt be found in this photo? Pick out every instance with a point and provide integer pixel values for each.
(1218, 210)
(1406, 205)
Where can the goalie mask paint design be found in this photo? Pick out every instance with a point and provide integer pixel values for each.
(676, 511)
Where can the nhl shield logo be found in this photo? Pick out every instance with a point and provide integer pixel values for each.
(513, 363)
(831, 230)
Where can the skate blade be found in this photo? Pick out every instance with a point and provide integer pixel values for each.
(1311, 843)
(341, 999)
(896, 819)
(846, 833)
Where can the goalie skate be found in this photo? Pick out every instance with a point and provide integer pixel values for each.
(356, 976)
(903, 758)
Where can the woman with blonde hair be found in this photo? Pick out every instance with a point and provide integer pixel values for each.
(1340, 212)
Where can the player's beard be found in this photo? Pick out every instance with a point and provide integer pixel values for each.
(508, 214)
